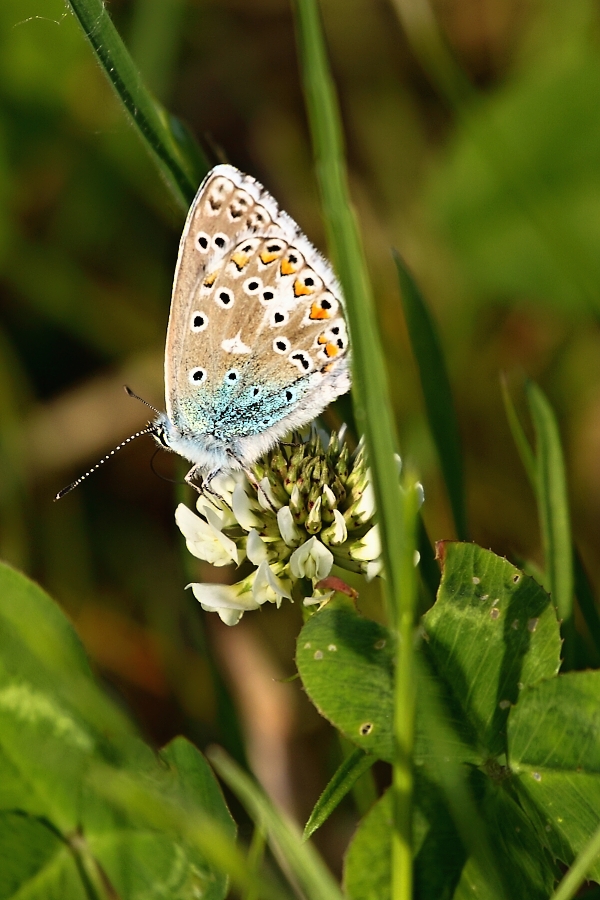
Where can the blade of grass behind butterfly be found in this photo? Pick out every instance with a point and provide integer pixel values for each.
(553, 509)
(304, 862)
(371, 396)
(177, 155)
(435, 384)
(583, 589)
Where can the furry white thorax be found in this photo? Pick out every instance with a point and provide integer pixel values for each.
(213, 454)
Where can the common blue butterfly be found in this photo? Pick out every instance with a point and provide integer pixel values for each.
(257, 343)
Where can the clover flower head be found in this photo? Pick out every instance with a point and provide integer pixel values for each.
(300, 511)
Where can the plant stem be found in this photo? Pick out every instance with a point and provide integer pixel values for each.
(404, 708)
(370, 387)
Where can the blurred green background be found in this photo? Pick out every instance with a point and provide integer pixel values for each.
(473, 136)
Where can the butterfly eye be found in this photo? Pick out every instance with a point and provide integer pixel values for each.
(279, 317)
(252, 285)
(197, 375)
(220, 240)
(202, 241)
(232, 376)
(199, 321)
(281, 345)
(224, 298)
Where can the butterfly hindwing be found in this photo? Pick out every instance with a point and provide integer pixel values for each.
(256, 332)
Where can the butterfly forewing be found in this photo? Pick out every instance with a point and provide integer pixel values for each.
(256, 320)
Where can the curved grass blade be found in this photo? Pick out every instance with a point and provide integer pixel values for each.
(437, 393)
(519, 437)
(179, 158)
(344, 779)
(302, 859)
(575, 877)
(553, 512)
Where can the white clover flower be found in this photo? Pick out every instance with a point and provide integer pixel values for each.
(266, 497)
(312, 560)
(368, 547)
(256, 549)
(337, 533)
(205, 539)
(267, 587)
(365, 508)
(224, 599)
(244, 510)
(287, 527)
(302, 510)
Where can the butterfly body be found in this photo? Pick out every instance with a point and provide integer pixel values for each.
(256, 342)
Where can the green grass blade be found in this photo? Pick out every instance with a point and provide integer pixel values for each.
(371, 392)
(179, 158)
(553, 511)
(136, 795)
(344, 779)
(404, 708)
(522, 444)
(437, 393)
(302, 859)
(575, 877)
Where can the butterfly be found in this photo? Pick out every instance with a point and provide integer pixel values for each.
(257, 343)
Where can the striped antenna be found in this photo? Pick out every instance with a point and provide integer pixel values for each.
(151, 429)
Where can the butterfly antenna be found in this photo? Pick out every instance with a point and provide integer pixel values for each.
(135, 396)
(151, 429)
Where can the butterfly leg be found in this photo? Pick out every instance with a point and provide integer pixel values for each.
(205, 480)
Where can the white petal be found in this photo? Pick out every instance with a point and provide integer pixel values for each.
(311, 560)
(267, 586)
(287, 527)
(191, 526)
(366, 505)
(319, 598)
(205, 541)
(213, 597)
(266, 497)
(369, 546)
(340, 531)
(256, 549)
(328, 493)
(242, 508)
(373, 568)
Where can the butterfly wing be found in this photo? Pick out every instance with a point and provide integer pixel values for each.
(257, 341)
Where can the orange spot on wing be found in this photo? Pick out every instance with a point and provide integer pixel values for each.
(322, 339)
(210, 279)
(240, 260)
(300, 289)
(267, 257)
(316, 312)
(332, 350)
(327, 368)
(287, 268)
